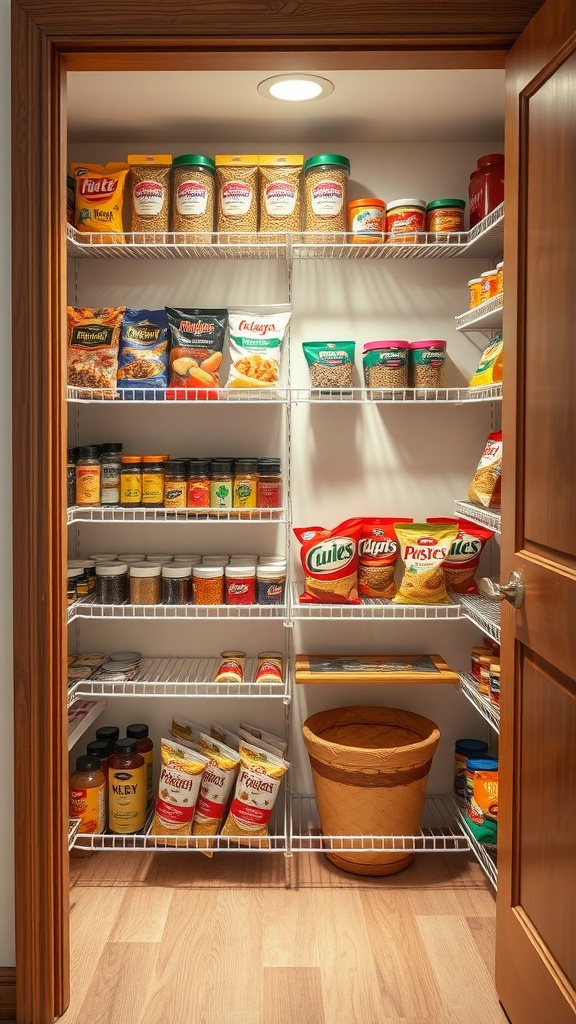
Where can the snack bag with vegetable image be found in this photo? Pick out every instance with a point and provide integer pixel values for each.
(196, 343)
(424, 548)
(330, 562)
(464, 556)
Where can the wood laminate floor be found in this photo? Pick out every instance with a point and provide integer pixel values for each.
(172, 938)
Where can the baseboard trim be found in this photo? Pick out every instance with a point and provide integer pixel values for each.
(7, 993)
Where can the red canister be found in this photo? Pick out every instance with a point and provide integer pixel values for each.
(240, 584)
(486, 186)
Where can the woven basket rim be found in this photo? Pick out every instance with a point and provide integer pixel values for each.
(431, 736)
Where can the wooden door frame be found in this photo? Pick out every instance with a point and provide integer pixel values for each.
(48, 39)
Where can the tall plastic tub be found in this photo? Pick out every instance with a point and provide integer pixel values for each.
(370, 766)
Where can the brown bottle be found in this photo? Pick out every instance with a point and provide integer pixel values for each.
(87, 795)
(126, 789)
(139, 733)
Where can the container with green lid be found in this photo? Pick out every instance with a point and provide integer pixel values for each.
(193, 195)
(444, 215)
(325, 179)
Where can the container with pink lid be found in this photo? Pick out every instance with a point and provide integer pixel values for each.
(427, 361)
(385, 364)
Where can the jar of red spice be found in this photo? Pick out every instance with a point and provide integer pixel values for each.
(269, 486)
(198, 487)
(404, 219)
(486, 186)
(240, 584)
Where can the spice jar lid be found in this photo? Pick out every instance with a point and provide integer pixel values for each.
(268, 466)
(126, 746)
(436, 204)
(238, 572)
(221, 465)
(245, 465)
(198, 468)
(112, 447)
(474, 280)
(111, 568)
(269, 572)
(90, 451)
(327, 158)
(130, 559)
(87, 763)
(188, 559)
(104, 556)
(263, 559)
(369, 201)
(215, 559)
(371, 346)
(153, 458)
(138, 731)
(131, 460)
(207, 572)
(108, 733)
(145, 569)
(97, 748)
(195, 160)
(176, 572)
(418, 203)
(159, 557)
(175, 466)
(429, 343)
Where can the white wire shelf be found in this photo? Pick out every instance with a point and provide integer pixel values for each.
(485, 854)
(439, 831)
(178, 396)
(490, 712)
(81, 714)
(73, 826)
(483, 613)
(276, 842)
(393, 396)
(91, 610)
(371, 608)
(181, 677)
(115, 514)
(484, 240)
(487, 316)
(488, 517)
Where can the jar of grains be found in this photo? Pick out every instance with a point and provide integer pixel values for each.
(145, 580)
(385, 364)
(270, 583)
(405, 218)
(150, 191)
(445, 215)
(193, 192)
(326, 177)
(176, 584)
(111, 583)
(240, 584)
(427, 360)
(208, 584)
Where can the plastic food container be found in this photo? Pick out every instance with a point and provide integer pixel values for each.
(427, 360)
(488, 285)
(475, 286)
(271, 583)
(240, 584)
(367, 219)
(193, 190)
(111, 583)
(404, 219)
(443, 215)
(208, 584)
(463, 749)
(325, 181)
(145, 583)
(386, 364)
(176, 584)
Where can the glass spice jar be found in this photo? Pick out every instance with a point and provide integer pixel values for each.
(73, 574)
(175, 483)
(145, 583)
(88, 476)
(245, 483)
(71, 457)
(111, 466)
(240, 584)
(270, 583)
(208, 584)
(176, 584)
(269, 487)
(131, 481)
(198, 488)
(111, 583)
(153, 470)
(221, 484)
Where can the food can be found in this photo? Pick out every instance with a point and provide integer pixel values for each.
(325, 178)
(475, 286)
(443, 215)
(366, 219)
(240, 584)
(463, 749)
(477, 764)
(494, 683)
(270, 667)
(405, 218)
(231, 667)
(488, 285)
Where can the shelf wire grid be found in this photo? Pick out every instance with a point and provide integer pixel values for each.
(91, 610)
(179, 396)
(73, 826)
(484, 240)
(490, 518)
(483, 613)
(371, 608)
(116, 514)
(275, 842)
(388, 396)
(487, 316)
(182, 677)
(490, 712)
(485, 854)
(439, 831)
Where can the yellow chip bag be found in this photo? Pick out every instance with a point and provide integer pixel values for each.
(424, 548)
(99, 199)
(178, 788)
(256, 791)
(489, 370)
(217, 782)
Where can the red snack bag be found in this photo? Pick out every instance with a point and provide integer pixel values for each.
(377, 555)
(464, 556)
(330, 563)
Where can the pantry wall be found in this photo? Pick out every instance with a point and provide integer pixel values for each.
(345, 459)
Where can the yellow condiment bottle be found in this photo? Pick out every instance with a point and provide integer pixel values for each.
(127, 785)
(88, 795)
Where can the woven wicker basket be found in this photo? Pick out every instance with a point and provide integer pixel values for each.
(370, 766)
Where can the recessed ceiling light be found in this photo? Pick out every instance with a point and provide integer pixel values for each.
(295, 87)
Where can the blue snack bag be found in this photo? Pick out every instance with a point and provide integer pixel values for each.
(143, 357)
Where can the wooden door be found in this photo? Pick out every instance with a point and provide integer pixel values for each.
(536, 916)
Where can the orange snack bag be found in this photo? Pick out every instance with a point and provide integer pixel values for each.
(99, 199)
(377, 555)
